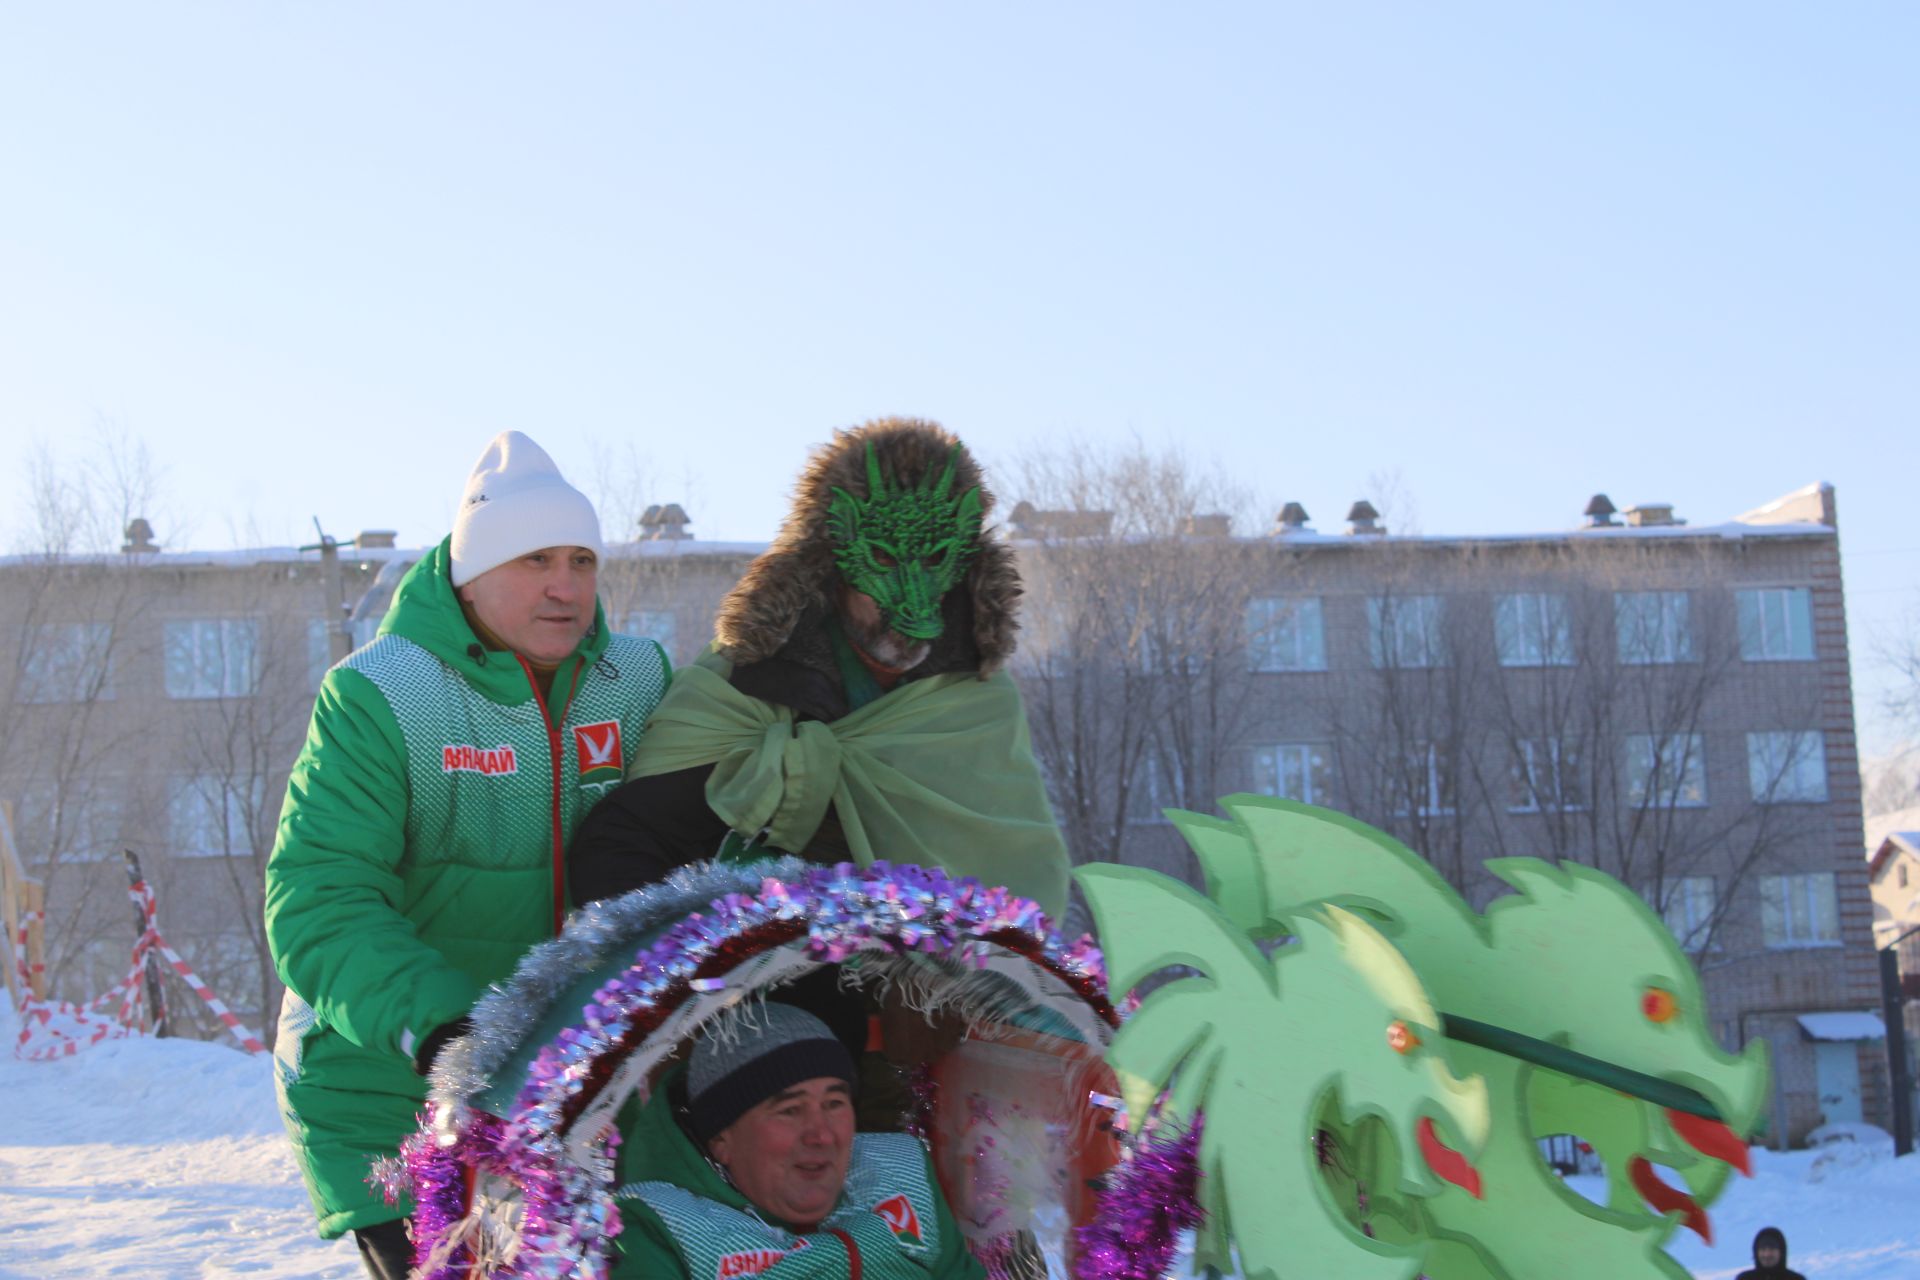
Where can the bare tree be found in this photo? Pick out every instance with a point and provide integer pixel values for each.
(1573, 729)
(1899, 653)
(70, 623)
(1410, 734)
(237, 747)
(1133, 655)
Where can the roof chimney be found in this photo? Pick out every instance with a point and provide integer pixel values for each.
(1293, 519)
(1212, 525)
(1363, 521)
(1029, 521)
(375, 539)
(1600, 511)
(1649, 515)
(139, 537)
(665, 522)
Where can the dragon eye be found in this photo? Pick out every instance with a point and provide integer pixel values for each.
(884, 560)
(1659, 1005)
(1400, 1038)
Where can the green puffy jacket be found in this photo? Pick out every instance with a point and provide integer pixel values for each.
(419, 855)
(682, 1220)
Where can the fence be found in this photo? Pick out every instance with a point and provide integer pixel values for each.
(57, 1028)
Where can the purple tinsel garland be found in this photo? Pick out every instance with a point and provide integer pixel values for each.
(569, 1220)
(1149, 1199)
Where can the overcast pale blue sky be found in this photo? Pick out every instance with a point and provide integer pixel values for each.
(316, 255)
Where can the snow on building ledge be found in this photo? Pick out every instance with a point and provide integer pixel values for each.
(1811, 505)
(1844, 1025)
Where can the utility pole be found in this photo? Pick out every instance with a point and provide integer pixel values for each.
(339, 636)
(1899, 1072)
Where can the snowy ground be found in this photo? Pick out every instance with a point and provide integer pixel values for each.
(164, 1159)
(1842, 1221)
(155, 1159)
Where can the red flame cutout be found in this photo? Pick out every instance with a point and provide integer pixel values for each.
(1446, 1162)
(1711, 1138)
(1666, 1199)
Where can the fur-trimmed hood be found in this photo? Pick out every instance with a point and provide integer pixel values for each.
(797, 574)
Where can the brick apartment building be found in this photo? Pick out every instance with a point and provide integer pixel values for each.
(1670, 702)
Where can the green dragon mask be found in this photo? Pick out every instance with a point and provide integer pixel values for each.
(905, 545)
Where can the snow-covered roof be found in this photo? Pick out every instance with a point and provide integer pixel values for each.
(1843, 1025)
(236, 558)
(1731, 531)
(244, 556)
(1881, 851)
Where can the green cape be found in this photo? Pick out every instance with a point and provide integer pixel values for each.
(939, 772)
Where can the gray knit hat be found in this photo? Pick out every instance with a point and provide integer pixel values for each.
(778, 1048)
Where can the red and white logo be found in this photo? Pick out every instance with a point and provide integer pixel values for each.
(897, 1211)
(753, 1261)
(486, 760)
(597, 748)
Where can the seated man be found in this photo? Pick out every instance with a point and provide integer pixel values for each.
(745, 1163)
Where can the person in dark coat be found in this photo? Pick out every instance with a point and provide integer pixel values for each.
(1770, 1257)
(854, 705)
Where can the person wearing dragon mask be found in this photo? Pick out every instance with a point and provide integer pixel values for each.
(854, 704)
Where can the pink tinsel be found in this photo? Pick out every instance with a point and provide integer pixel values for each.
(1150, 1198)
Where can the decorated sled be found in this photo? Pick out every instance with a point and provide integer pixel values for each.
(514, 1174)
(1330, 1064)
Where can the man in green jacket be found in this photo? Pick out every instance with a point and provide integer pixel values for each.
(746, 1163)
(420, 847)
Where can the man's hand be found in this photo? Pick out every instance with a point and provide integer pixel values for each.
(437, 1039)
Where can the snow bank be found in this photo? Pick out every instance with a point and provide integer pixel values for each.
(151, 1158)
(1848, 1215)
(1843, 1221)
(165, 1158)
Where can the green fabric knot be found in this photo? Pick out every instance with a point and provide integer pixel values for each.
(939, 772)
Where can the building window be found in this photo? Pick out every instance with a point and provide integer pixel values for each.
(1157, 785)
(65, 826)
(319, 652)
(1776, 624)
(662, 626)
(1666, 770)
(1653, 627)
(1787, 768)
(1688, 910)
(1545, 775)
(212, 816)
(211, 657)
(1404, 631)
(1531, 630)
(1300, 771)
(66, 662)
(1286, 634)
(1426, 782)
(1799, 911)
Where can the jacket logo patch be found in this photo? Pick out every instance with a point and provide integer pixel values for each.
(597, 749)
(897, 1212)
(487, 760)
(753, 1261)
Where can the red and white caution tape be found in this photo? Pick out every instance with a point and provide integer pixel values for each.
(53, 1029)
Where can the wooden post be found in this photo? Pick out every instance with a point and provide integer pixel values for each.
(18, 897)
(33, 898)
(156, 994)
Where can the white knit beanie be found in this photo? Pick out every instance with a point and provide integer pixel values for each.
(516, 502)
